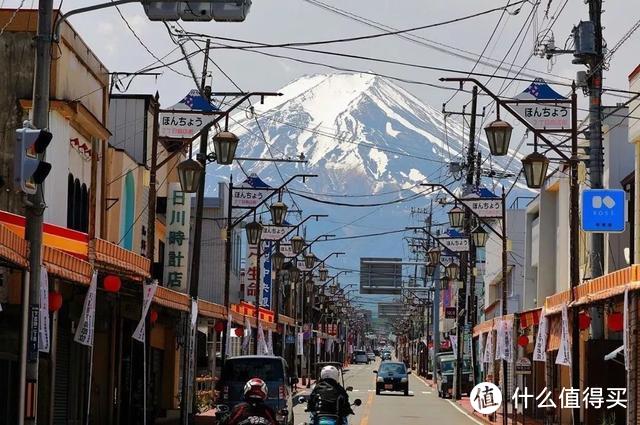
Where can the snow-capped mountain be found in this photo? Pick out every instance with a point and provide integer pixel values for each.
(362, 135)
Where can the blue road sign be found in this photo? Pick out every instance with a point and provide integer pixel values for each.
(603, 210)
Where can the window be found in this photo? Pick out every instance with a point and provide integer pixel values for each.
(77, 205)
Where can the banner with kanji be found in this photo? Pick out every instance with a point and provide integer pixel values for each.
(85, 330)
(176, 252)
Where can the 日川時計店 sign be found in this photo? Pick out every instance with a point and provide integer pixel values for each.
(176, 254)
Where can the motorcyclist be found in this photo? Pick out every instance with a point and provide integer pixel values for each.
(253, 411)
(328, 396)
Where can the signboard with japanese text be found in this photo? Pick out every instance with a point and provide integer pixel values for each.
(248, 197)
(455, 244)
(287, 250)
(250, 274)
(274, 233)
(485, 207)
(176, 253)
(603, 210)
(267, 275)
(176, 125)
(545, 115)
(523, 366)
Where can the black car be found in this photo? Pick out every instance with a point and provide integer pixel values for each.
(386, 355)
(392, 376)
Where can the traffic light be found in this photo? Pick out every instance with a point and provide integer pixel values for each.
(28, 170)
(218, 10)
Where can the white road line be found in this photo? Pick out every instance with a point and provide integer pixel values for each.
(355, 391)
(427, 392)
(370, 391)
(461, 410)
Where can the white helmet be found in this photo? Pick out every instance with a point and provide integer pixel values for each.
(330, 372)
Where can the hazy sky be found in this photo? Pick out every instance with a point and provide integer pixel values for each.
(278, 21)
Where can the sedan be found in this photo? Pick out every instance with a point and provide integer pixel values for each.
(392, 376)
(371, 356)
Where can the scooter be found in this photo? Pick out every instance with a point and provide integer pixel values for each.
(327, 418)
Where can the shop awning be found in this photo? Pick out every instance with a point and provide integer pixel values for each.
(172, 299)
(553, 304)
(483, 327)
(530, 318)
(211, 310)
(66, 266)
(607, 286)
(13, 248)
(286, 320)
(113, 258)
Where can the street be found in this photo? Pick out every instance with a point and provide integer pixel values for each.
(393, 407)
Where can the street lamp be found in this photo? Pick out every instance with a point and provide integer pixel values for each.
(190, 172)
(224, 145)
(456, 217)
(294, 274)
(278, 260)
(297, 244)
(434, 255)
(498, 137)
(309, 260)
(323, 272)
(430, 269)
(479, 236)
(444, 283)
(535, 167)
(254, 231)
(452, 270)
(278, 213)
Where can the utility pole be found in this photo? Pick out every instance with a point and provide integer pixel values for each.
(596, 157)
(189, 364)
(34, 210)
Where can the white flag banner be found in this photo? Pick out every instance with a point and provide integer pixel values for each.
(454, 343)
(564, 352)
(625, 328)
(507, 345)
(85, 330)
(499, 340)
(262, 344)
(148, 291)
(300, 344)
(44, 335)
(481, 349)
(246, 340)
(540, 349)
(194, 312)
(318, 345)
(270, 342)
(488, 348)
(227, 349)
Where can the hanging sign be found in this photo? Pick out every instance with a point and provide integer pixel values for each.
(251, 272)
(148, 292)
(300, 344)
(274, 233)
(176, 253)
(287, 250)
(85, 330)
(455, 244)
(540, 349)
(247, 335)
(507, 346)
(181, 122)
(499, 339)
(248, 197)
(564, 352)
(262, 343)
(485, 207)
(545, 115)
(488, 349)
(267, 275)
(44, 336)
(482, 349)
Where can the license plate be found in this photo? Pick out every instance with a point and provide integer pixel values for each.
(388, 386)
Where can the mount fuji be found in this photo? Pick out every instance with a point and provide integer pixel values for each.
(370, 141)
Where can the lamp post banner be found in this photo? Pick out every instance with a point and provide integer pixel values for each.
(484, 207)
(44, 336)
(176, 256)
(85, 330)
(267, 275)
(149, 290)
(543, 116)
(455, 244)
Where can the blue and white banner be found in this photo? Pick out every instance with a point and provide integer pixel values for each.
(267, 274)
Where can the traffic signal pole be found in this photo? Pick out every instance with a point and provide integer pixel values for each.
(34, 209)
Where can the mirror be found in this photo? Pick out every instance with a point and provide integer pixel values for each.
(357, 402)
(302, 399)
(349, 388)
(375, 371)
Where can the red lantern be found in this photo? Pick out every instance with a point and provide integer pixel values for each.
(219, 327)
(111, 283)
(523, 340)
(615, 321)
(239, 331)
(584, 321)
(153, 316)
(55, 301)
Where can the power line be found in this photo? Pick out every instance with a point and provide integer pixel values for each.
(12, 18)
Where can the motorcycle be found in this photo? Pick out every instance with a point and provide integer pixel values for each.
(223, 413)
(318, 418)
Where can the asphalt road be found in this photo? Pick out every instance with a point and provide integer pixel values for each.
(421, 407)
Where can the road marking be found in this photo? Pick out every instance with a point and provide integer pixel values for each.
(427, 392)
(370, 391)
(464, 412)
(355, 391)
(365, 417)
